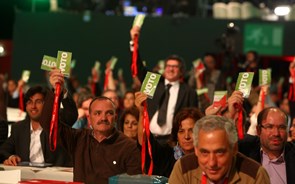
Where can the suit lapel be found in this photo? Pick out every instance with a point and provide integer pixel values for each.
(181, 94)
(26, 139)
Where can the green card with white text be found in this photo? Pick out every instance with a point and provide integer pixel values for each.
(244, 83)
(264, 77)
(48, 62)
(63, 62)
(150, 83)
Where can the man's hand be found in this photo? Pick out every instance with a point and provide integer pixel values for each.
(135, 31)
(140, 97)
(55, 76)
(211, 110)
(12, 160)
(235, 102)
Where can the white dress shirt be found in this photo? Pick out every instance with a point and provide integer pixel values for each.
(166, 128)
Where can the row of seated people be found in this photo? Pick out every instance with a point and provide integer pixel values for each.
(272, 131)
(99, 150)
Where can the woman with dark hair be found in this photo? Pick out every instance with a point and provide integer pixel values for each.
(180, 142)
(129, 122)
(128, 100)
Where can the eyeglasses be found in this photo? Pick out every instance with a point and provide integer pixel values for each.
(36, 102)
(269, 127)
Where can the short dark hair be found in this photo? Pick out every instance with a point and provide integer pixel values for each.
(180, 61)
(255, 54)
(132, 111)
(101, 98)
(83, 96)
(188, 112)
(34, 90)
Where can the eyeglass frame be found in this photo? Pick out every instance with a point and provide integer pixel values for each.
(270, 127)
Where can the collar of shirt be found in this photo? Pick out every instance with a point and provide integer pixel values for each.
(111, 138)
(36, 131)
(280, 159)
(172, 83)
(222, 181)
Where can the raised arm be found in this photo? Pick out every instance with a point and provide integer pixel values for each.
(139, 99)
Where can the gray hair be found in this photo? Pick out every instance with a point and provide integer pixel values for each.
(212, 122)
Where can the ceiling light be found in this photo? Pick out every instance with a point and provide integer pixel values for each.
(282, 10)
(2, 50)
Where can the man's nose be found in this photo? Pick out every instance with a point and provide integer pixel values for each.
(212, 160)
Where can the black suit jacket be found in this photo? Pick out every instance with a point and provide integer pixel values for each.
(250, 146)
(19, 144)
(187, 97)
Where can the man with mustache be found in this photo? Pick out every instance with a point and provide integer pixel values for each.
(100, 152)
(270, 147)
(216, 159)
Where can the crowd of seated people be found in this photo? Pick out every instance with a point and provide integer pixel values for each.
(102, 131)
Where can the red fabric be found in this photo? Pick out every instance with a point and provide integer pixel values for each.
(54, 119)
(146, 131)
(291, 95)
(204, 180)
(134, 70)
(240, 124)
(46, 181)
(262, 99)
(93, 88)
(106, 80)
(221, 102)
(202, 68)
(21, 100)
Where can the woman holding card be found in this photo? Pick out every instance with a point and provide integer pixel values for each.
(180, 142)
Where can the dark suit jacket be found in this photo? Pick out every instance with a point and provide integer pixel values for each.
(19, 141)
(187, 97)
(250, 146)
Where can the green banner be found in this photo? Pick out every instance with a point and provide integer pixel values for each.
(266, 39)
(63, 62)
(264, 77)
(150, 83)
(244, 83)
(48, 62)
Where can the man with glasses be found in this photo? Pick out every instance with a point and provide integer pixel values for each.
(28, 143)
(270, 147)
(180, 94)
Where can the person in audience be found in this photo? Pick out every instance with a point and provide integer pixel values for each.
(100, 152)
(12, 94)
(28, 142)
(270, 147)
(129, 122)
(3, 113)
(129, 100)
(292, 131)
(210, 77)
(84, 100)
(112, 94)
(180, 142)
(216, 158)
(181, 95)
